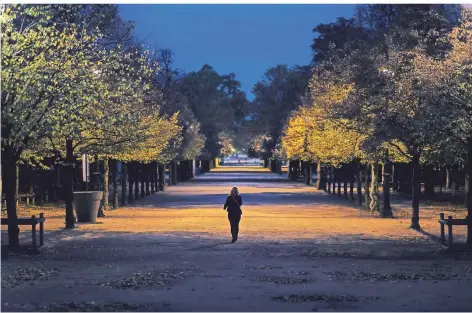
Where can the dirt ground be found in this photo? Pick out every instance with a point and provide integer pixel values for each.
(299, 250)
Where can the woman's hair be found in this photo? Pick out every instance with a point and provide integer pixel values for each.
(234, 192)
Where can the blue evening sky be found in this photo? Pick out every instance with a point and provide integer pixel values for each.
(243, 39)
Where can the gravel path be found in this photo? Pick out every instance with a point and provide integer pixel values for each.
(299, 250)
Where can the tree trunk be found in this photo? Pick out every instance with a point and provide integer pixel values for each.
(17, 187)
(130, 181)
(115, 183)
(153, 169)
(345, 189)
(143, 175)
(330, 177)
(106, 184)
(333, 174)
(453, 178)
(429, 181)
(386, 208)
(366, 187)
(106, 188)
(170, 173)
(333, 180)
(469, 191)
(466, 186)
(307, 173)
(318, 184)
(69, 185)
(441, 181)
(9, 180)
(448, 177)
(158, 177)
(136, 175)
(161, 177)
(374, 192)
(31, 184)
(382, 173)
(394, 178)
(124, 176)
(351, 190)
(416, 192)
(147, 175)
(359, 183)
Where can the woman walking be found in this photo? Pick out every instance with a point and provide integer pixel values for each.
(233, 204)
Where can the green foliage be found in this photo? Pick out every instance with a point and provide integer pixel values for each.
(277, 95)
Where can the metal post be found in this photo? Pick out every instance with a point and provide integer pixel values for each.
(33, 230)
(441, 218)
(41, 229)
(449, 231)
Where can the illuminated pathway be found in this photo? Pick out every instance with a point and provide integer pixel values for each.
(299, 250)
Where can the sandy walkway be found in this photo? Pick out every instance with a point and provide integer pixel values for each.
(300, 250)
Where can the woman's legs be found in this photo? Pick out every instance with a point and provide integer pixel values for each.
(234, 222)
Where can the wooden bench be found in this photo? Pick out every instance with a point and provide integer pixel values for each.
(449, 222)
(28, 196)
(33, 221)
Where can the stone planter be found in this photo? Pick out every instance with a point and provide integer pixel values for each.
(86, 204)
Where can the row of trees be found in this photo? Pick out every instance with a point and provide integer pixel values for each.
(75, 80)
(390, 85)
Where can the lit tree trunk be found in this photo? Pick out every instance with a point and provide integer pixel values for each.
(469, 191)
(453, 180)
(9, 174)
(158, 183)
(394, 178)
(416, 192)
(345, 189)
(359, 183)
(69, 185)
(170, 173)
(147, 176)
(386, 208)
(17, 186)
(106, 189)
(374, 192)
(382, 171)
(333, 180)
(466, 185)
(319, 177)
(114, 174)
(130, 168)
(124, 176)
(143, 175)
(351, 189)
(448, 178)
(153, 175)
(161, 177)
(366, 187)
(136, 180)
(328, 179)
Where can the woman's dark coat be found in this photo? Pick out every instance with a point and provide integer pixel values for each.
(233, 204)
